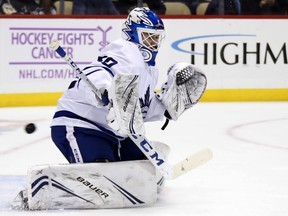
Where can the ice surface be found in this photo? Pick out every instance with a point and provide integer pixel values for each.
(248, 175)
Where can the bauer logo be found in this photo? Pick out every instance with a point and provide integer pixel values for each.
(232, 49)
(94, 188)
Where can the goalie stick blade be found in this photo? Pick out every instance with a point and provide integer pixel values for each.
(191, 162)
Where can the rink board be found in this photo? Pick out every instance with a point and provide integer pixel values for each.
(242, 62)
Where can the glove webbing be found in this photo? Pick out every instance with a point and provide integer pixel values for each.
(184, 75)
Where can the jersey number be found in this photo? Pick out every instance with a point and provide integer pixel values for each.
(107, 61)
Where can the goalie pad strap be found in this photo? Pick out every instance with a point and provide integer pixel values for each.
(168, 117)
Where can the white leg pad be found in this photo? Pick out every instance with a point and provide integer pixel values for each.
(93, 185)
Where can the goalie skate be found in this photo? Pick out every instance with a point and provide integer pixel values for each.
(21, 201)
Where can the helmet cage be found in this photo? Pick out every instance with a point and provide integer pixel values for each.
(151, 38)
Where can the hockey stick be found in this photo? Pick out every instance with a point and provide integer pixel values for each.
(169, 171)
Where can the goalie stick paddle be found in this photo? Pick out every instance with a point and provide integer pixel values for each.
(169, 171)
(191, 162)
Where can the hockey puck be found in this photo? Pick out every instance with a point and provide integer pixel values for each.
(30, 128)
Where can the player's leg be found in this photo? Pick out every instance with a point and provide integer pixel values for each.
(129, 151)
(96, 146)
(83, 145)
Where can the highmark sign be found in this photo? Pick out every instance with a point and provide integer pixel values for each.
(233, 52)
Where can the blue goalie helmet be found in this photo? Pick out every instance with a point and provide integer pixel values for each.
(146, 29)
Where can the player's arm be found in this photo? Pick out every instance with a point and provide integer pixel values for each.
(101, 73)
(100, 78)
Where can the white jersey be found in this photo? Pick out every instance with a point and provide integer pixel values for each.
(78, 105)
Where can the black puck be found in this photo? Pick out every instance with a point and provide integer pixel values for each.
(30, 128)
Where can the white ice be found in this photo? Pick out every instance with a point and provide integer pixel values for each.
(248, 175)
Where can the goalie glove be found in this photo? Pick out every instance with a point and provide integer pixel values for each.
(183, 89)
(125, 115)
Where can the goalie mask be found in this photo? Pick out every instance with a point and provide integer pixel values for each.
(146, 29)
